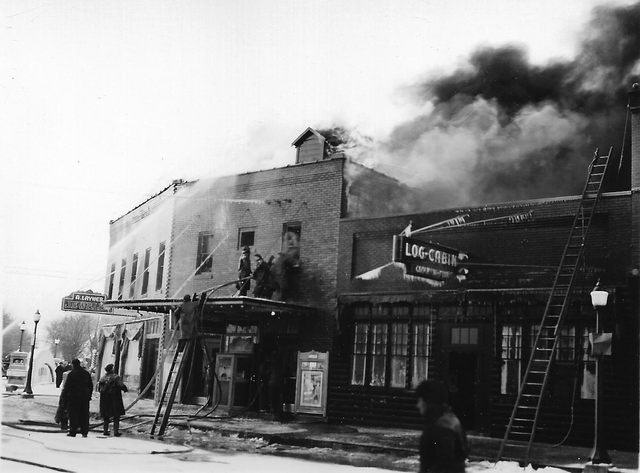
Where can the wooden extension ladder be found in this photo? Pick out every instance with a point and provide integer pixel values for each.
(520, 432)
(161, 419)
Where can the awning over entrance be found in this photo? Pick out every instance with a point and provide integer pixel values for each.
(240, 304)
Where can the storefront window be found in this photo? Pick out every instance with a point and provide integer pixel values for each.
(588, 387)
(422, 352)
(399, 352)
(511, 355)
(378, 354)
(359, 353)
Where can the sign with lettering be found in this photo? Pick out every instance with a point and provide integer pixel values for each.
(86, 301)
(425, 259)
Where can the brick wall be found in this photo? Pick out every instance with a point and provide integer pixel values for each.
(309, 194)
(144, 227)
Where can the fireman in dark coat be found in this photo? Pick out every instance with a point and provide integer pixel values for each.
(443, 444)
(262, 277)
(244, 271)
(111, 406)
(76, 395)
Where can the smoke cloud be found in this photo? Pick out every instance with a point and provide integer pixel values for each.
(501, 128)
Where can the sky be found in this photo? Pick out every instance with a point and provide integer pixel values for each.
(104, 103)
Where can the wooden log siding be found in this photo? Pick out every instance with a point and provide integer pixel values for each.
(557, 420)
(367, 405)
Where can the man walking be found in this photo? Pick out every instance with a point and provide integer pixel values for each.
(443, 444)
(76, 395)
(111, 406)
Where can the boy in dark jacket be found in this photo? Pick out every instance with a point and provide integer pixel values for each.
(443, 445)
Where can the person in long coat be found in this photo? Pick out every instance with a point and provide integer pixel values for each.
(110, 387)
(76, 395)
(443, 444)
(60, 369)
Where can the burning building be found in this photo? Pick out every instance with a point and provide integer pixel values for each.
(472, 316)
(189, 238)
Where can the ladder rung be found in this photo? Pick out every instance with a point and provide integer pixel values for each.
(532, 395)
(527, 407)
(520, 419)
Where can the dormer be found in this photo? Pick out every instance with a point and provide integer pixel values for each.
(309, 147)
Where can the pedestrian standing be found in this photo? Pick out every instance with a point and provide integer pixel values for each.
(443, 444)
(111, 406)
(76, 395)
(60, 369)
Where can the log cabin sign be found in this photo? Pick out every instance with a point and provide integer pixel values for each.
(426, 260)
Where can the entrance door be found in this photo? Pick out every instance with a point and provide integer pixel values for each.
(463, 372)
(150, 360)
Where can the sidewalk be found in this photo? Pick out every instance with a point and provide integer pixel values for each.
(313, 433)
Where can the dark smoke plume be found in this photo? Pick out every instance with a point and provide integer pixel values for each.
(503, 128)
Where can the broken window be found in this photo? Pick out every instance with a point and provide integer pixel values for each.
(246, 237)
(399, 354)
(422, 338)
(291, 236)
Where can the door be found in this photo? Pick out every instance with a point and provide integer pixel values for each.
(150, 361)
(463, 375)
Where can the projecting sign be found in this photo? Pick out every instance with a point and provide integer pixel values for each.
(86, 301)
(425, 259)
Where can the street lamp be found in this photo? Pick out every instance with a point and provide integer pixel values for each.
(599, 453)
(23, 327)
(55, 347)
(28, 393)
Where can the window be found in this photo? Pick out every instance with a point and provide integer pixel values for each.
(123, 270)
(511, 355)
(112, 275)
(566, 347)
(160, 272)
(134, 275)
(203, 257)
(378, 354)
(246, 237)
(145, 274)
(422, 352)
(399, 354)
(291, 236)
(391, 345)
(464, 335)
(588, 387)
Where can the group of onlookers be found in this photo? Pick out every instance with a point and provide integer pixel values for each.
(77, 389)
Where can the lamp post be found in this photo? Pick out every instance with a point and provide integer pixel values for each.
(23, 327)
(599, 452)
(55, 347)
(28, 393)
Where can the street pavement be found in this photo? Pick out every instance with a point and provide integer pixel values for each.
(238, 441)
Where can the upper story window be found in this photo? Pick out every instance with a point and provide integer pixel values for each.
(204, 261)
(123, 270)
(145, 274)
(134, 275)
(246, 237)
(291, 237)
(112, 275)
(160, 273)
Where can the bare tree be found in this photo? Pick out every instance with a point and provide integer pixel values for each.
(76, 334)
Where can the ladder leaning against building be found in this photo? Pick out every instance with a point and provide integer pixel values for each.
(520, 432)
